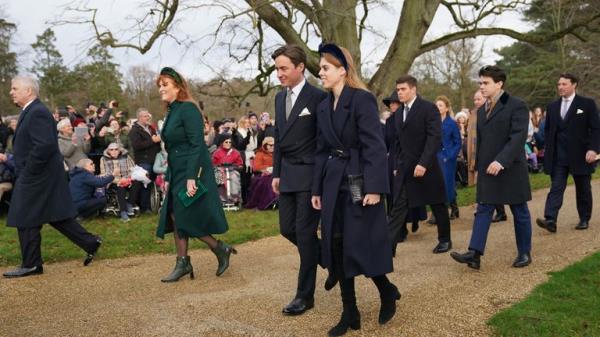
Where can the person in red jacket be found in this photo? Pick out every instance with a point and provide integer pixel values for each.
(264, 157)
(225, 154)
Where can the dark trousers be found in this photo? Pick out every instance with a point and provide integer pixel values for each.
(31, 239)
(91, 207)
(483, 219)
(298, 223)
(121, 198)
(397, 224)
(139, 194)
(583, 194)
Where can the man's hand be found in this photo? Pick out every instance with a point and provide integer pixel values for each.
(419, 171)
(316, 202)
(275, 185)
(86, 137)
(2, 157)
(590, 156)
(494, 168)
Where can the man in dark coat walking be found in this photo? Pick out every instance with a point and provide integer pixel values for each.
(293, 168)
(41, 192)
(572, 134)
(502, 176)
(418, 179)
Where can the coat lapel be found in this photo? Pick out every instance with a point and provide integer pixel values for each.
(280, 112)
(22, 117)
(327, 116)
(411, 113)
(572, 108)
(299, 105)
(342, 111)
(498, 107)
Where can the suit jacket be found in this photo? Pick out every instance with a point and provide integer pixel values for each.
(583, 134)
(295, 139)
(354, 129)
(418, 140)
(501, 137)
(41, 191)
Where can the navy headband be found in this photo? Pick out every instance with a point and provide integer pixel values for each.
(172, 73)
(335, 51)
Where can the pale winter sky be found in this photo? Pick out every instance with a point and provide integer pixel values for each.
(33, 17)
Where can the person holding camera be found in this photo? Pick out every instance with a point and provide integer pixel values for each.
(71, 147)
(114, 133)
(145, 143)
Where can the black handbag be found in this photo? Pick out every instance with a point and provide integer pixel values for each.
(356, 181)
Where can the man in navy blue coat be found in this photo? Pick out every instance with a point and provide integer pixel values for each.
(41, 192)
(502, 175)
(572, 135)
(293, 168)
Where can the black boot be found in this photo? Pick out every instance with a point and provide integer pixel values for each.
(350, 315)
(331, 281)
(389, 294)
(223, 251)
(183, 267)
(453, 210)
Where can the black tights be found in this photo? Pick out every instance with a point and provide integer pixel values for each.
(347, 284)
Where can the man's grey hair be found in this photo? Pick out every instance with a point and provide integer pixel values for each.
(140, 110)
(29, 82)
(83, 162)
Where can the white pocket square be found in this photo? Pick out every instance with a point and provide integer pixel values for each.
(304, 112)
(579, 111)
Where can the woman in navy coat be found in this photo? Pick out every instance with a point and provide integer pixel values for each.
(355, 237)
(448, 154)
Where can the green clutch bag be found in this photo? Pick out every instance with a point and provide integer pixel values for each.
(187, 200)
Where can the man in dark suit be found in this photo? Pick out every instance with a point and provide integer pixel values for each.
(572, 134)
(293, 168)
(41, 192)
(502, 176)
(418, 179)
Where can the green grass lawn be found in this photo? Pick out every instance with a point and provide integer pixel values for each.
(137, 236)
(567, 305)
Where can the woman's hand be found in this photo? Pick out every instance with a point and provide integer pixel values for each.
(191, 187)
(316, 202)
(371, 199)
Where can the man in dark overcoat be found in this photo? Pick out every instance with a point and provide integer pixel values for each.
(293, 167)
(502, 175)
(418, 178)
(572, 134)
(41, 192)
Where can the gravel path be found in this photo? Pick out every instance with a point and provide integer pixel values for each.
(124, 297)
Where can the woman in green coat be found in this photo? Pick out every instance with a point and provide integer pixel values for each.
(188, 159)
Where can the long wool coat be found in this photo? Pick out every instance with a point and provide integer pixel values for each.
(500, 137)
(353, 128)
(183, 134)
(41, 191)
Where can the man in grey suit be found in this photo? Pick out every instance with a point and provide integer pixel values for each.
(502, 176)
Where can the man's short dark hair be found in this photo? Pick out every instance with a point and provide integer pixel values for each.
(494, 72)
(410, 80)
(570, 77)
(291, 51)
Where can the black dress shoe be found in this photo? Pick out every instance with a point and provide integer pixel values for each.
(522, 260)
(298, 306)
(471, 258)
(414, 227)
(549, 225)
(583, 224)
(442, 247)
(330, 282)
(90, 256)
(499, 217)
(23, 272)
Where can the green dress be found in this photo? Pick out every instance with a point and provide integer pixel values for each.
(183, 134)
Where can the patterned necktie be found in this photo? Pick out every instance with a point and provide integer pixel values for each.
(489, 107)
(564, 108)
(288, 104)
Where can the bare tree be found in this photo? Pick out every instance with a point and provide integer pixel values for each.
(243, 29)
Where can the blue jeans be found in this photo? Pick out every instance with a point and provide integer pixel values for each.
(483, 219)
